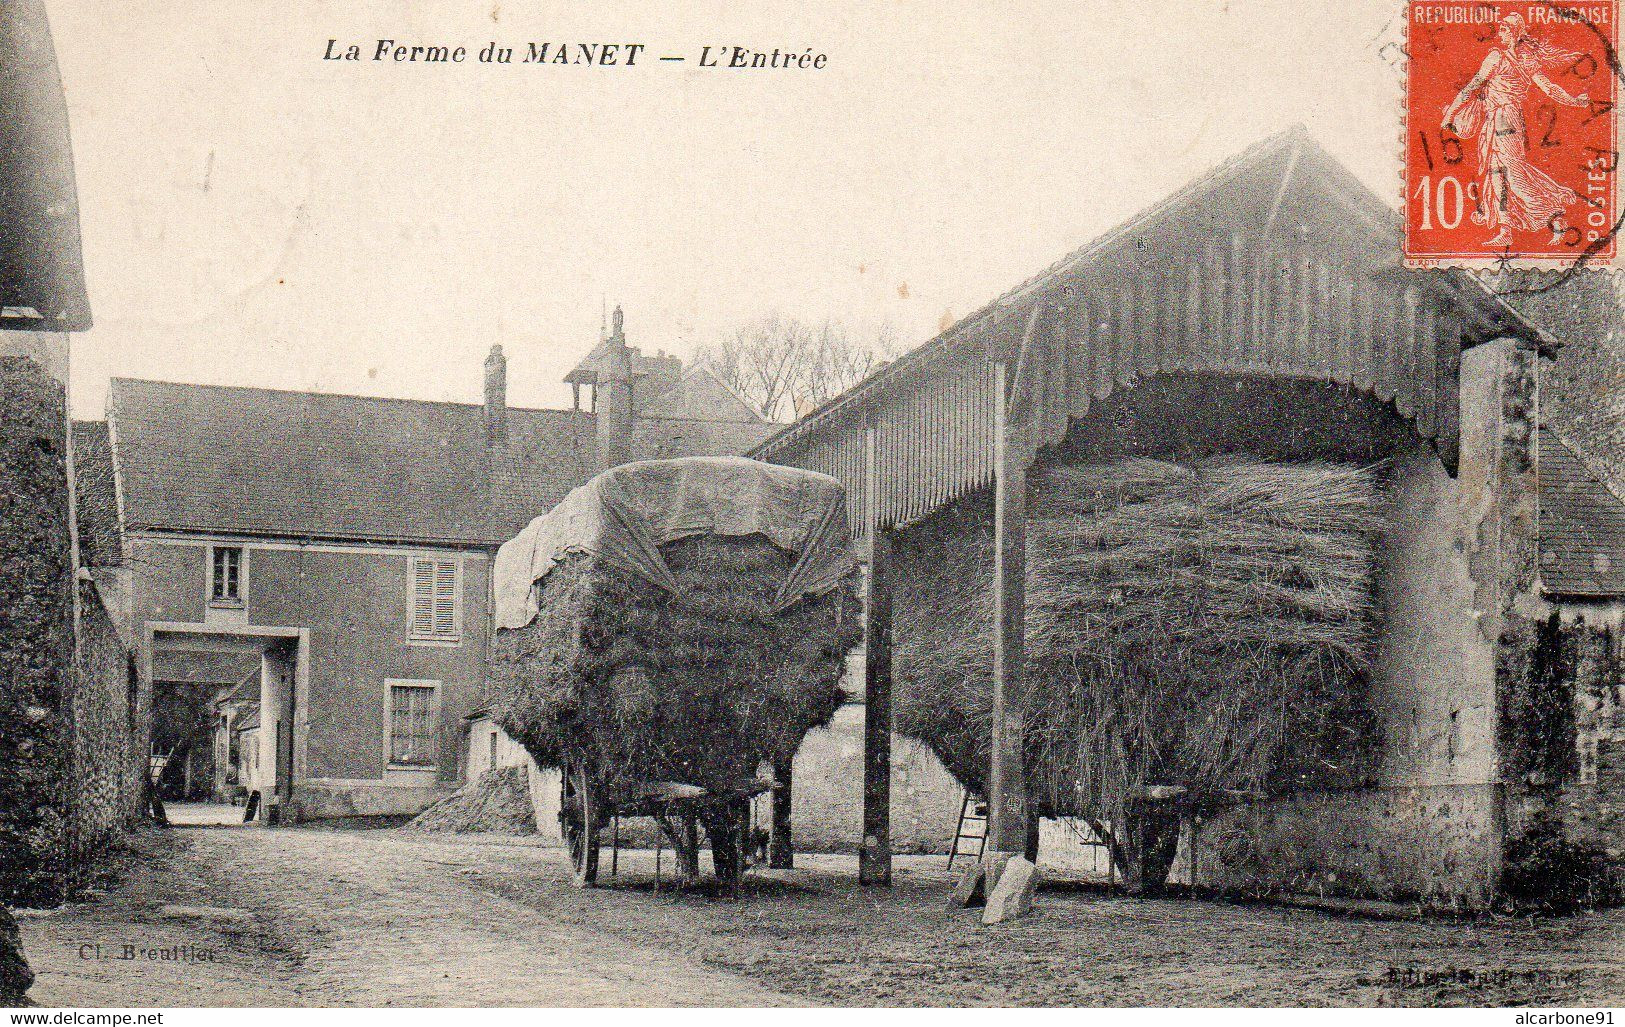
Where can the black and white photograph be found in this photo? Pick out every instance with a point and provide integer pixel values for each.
(1055, 503)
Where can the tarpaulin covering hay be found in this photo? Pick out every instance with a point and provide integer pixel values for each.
(1206, 626)
(676, 621)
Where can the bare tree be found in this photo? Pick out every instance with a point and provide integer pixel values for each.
(787, 368)
(837, 362)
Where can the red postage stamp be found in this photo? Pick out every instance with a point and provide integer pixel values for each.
(1511, 150)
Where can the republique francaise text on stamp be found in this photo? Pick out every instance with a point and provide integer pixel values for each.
(1511, 152)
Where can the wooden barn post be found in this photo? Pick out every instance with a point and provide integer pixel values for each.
(781, 851)
(1007, 810)
(874, 858)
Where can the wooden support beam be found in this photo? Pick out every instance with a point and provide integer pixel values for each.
(781, 852)
(1007, 807)
(874, 858)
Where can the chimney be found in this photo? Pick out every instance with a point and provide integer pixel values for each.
(613, 399)
(496, 397)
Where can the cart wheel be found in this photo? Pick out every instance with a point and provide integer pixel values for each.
(581, 828)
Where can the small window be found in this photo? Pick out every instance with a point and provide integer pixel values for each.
(226, 576)
(435, 590)
(412, 724)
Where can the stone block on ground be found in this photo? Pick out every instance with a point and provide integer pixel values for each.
(971, 890)
(1012, 894)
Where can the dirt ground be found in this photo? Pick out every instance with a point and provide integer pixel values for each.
(377, 917)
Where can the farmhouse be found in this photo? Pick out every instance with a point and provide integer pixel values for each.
(312, 570)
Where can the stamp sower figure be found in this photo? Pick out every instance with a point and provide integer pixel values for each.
(1512, 193)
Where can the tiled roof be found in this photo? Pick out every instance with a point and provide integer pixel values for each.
(1582, 525)
(312, 465)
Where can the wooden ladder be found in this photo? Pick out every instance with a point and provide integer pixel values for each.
(972, 828)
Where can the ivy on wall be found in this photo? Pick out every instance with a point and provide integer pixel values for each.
(1555, 681)
(1536, 682)
(36, 622)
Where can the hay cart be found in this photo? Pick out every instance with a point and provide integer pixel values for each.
(677, 809)
(665, 632)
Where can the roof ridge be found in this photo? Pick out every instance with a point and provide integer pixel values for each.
(339, 395)
(1295, 139)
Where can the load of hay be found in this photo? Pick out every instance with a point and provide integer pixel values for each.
(1206, 628)
(496, 802)
(700, 679)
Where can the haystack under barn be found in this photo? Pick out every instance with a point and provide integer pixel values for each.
(1198, 631)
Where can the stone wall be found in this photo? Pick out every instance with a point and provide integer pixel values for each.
(827, 795)
(36, 623)
(1404, 843)
(70, 767)
(108, 761)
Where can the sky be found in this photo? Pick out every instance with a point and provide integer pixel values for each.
(255, 215)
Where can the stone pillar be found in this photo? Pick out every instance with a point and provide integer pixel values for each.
(1497, 478)
(1496, 473)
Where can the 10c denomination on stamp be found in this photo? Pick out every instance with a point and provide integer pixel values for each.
(1511, 144)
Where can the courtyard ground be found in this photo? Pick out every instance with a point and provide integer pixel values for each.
(308, 916)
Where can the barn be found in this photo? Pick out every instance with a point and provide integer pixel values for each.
(1261, 313)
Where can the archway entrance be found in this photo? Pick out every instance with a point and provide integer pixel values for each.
(227, 719)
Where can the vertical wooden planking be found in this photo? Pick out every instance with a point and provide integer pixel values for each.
(1128, 345)
(1405, 353)
(1384, 363)
(933, 487)
(1447, 387)
(1274, 281)
(951, 428)
(941, 436)
(1426, 353)
(992, 397)
(1299, 352)
(1153, 303)
(1323, 326)
(908, 466)
(1347, 327)
(1104, 335)
(1198, 313)
(1056, 406)
(1363, 372)
(1215, 300)
(1238, 312)
(909, 457)
(1080, 340)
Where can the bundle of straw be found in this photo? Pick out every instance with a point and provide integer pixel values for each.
(1208, 626)
(700, 686)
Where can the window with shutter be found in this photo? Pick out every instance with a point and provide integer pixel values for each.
(435, 613)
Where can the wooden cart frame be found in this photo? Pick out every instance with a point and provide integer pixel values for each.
(679, 810)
